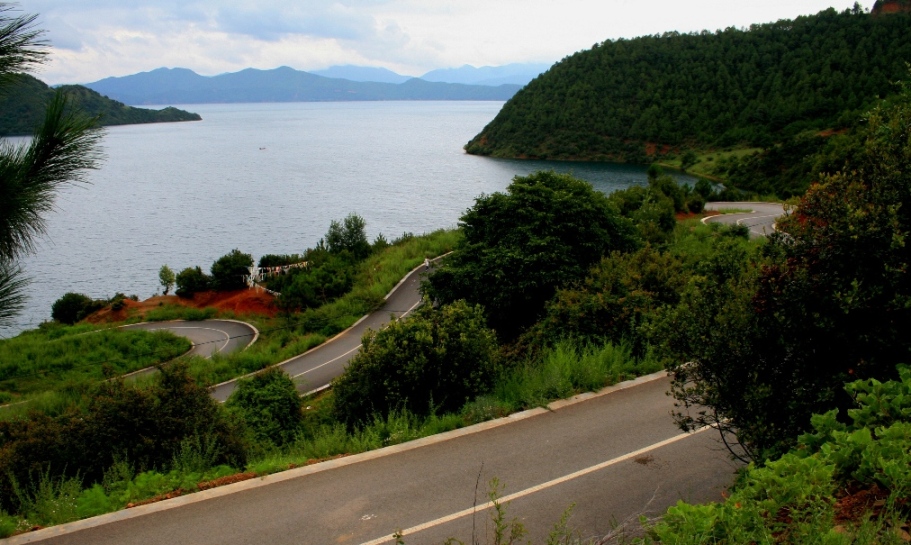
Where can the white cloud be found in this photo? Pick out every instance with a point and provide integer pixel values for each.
(99, 38)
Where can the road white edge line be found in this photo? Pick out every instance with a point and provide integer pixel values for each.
(537, 488)
(126, 514)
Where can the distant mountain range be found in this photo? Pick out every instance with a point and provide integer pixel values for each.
(349, 83)
(510, 74)
(515, 74)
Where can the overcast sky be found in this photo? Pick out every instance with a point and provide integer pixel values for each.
(94, 39)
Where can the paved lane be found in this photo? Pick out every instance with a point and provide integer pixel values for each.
(316, 368)
(364, 498)
(208, 336)
(760, 221)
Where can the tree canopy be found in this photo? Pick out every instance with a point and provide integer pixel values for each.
(636, 99)
(520, 246)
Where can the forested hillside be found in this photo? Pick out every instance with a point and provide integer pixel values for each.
(638, 99)
(23, 103)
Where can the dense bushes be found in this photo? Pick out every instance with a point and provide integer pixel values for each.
(270, 406)
(829, 300)
(431, 362)
(72, 307)
(326, 277)
(228, 273)
(116, 422)
(350, 236)
(866, 462)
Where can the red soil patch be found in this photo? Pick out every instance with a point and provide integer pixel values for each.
(160, 497)
(831, 132)
(241, 302)
(222, 481)
(689, 215)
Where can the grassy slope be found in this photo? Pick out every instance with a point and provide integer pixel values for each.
(55, 356)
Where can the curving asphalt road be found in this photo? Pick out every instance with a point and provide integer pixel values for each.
(314, 370)
(208, 336)
(760, 221)
(616, 455)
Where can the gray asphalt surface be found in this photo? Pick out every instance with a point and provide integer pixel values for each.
(760, 220)
(316, 368)
(208, 336)
(363, 498)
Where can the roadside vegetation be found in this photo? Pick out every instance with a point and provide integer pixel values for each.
(57, 357)
(554, 289)
(457, 370)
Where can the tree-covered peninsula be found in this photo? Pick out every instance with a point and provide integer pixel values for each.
(637, 100)
(24, 101)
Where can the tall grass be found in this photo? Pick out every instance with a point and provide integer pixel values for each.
(567, 369)
(53, 356)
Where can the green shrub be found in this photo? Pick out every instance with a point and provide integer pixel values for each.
(114, 421)
(73, 307)
(269, 405)
(326, 278)
(696, 203)
(229, 270)
(433, 361)
(192, 280)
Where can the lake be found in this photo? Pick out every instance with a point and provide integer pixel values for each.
(267, 178)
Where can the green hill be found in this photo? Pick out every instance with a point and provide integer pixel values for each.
(22, 106)
(636, 100)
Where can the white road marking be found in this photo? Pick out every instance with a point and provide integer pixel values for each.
(326, 363)
(533, 489)
(227, 337)
(350, 351)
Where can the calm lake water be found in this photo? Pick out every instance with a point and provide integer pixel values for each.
(267, 178)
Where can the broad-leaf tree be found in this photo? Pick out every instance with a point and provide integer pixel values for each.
(545, 232)
(772, 346)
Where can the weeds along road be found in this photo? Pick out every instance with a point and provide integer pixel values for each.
(315, 369)
(615, 455)
(760, 220)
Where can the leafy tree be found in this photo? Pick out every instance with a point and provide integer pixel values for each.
(434, 360)
(831, 304)
(228, 270)
(349, 236)
(192, 280)
(64, 147)
(73, 307)
(269, 404)
(519, 247)
(166, 278)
